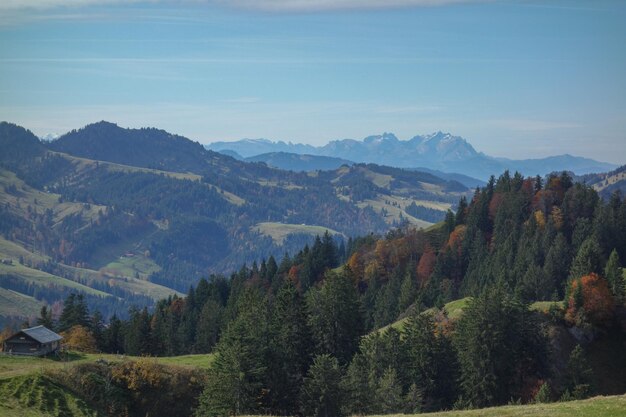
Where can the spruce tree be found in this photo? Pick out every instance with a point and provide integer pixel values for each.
(322, 392)
(335, 317)
(237, 376)
(499, 346)
(588, 259)
(45, 318)
(613, 274)
(290, 350)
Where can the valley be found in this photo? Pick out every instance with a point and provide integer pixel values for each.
(87, 213)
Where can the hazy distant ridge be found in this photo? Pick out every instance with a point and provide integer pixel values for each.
(438, 151)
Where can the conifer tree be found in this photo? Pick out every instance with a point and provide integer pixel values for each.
(322, 392)
(335, 317)
(237, 376)
(290, 349)
(613, 274)
(45, 318)
(588, 259)
(499, 346)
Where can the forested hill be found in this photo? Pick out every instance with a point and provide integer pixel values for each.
(160, 209)
(519, 296)
(149, 148)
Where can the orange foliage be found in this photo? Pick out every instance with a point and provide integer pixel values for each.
(457, 236)
(355, 264)
(494, 204)
(598, 303)
(426, 265)
(4, 335)
(293, 275)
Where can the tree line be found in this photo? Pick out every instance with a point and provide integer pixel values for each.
(299, 336)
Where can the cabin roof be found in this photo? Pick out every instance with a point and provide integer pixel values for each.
(42, 334)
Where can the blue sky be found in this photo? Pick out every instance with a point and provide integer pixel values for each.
(516, 78)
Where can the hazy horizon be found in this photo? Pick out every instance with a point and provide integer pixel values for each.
(518, 79)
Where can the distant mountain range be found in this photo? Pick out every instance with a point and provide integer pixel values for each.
(438, 151)
(127, 216)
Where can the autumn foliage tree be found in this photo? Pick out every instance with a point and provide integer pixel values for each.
(79, 338)
(590, 301)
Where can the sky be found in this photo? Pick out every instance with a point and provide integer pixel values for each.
(516, 78)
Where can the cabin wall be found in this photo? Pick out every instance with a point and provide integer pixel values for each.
(25, 346)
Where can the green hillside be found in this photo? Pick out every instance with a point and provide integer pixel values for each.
(612, 406)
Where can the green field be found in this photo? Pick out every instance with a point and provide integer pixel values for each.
(279, 231)
(614, 406)
(15, 304)
(26, 389)
(38, 396)
(455, 311)
(41, 201)
(42, 278)
(128, 266)
(12, 366)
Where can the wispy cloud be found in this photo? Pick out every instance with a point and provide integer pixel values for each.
(530, 125)
(243, 100)
(323, 5)
(261, 5)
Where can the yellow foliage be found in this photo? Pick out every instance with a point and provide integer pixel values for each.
(79, 338)
(138, 374)
(540, 219)
(557, 217)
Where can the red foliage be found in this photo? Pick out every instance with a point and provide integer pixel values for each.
(426, 265)
(528, 186)
(598, 302)
(494, 204)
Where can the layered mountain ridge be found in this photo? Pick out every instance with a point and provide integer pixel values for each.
(437, 151)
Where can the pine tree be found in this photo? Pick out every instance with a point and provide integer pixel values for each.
(75, 312)
(408, 291)
(588, 259)
(557, 264)
(578, 374)
(389, 392)
(544, 395)
(430, 362)
(335, 317)
(209, 325)
(236, 378)
(360, 396)
(289, 350)
(613, 274)
(499, 346)
(45, 318)
(321, 393)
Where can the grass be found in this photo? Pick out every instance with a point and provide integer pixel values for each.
(394, 211)
(455, 311)
(42, 278)
(40, 201)
(128, 266)
(37, 395)
(279, 231)
(122, 277)
(191, 361)
(16, 304)
(25, 390)
(613, 406)
(12, 366)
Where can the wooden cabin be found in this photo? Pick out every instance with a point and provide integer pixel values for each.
(36, 341)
